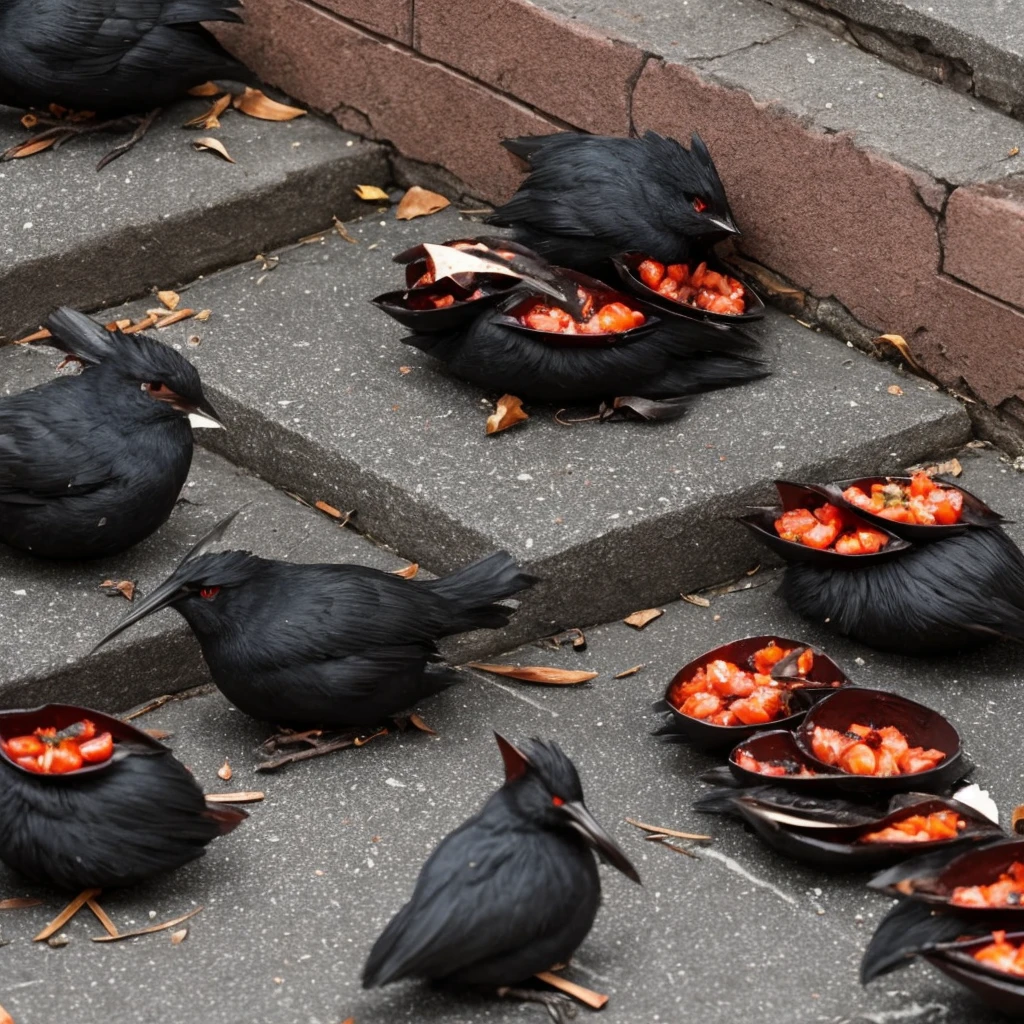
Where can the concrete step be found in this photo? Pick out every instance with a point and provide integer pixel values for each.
(975, 48)
(825, 148)
(164, 213)
(611, 516)
(300, 891)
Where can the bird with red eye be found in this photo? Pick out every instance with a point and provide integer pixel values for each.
(93, 463)
(208, 593)
(588, 198)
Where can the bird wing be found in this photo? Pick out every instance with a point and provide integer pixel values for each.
(43, 456)
(471, 904)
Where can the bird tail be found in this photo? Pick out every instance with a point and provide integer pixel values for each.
(473, 590)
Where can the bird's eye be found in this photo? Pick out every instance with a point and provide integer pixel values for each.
(557, 801)
(699, 205)
(157, 389)
(209, 593)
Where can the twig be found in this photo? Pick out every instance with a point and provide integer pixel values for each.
(67, 913)
(248, 797)
(595, 1000)
(101, 916)
(147, 931)
(666, 831)
(159, 702)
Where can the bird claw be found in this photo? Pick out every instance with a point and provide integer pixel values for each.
(560, 1007)
(317, 743)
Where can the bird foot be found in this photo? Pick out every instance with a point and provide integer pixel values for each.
(60, 131)
(312, 743)
(560, 1007)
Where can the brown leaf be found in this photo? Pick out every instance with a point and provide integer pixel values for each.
(419, 202)
(40, 335)
(404, 370)
(700, 602)
(666, 831)
(1014, 151)
(126, 588)
(536, 674)
(899, 343)
(330, 510)
(147, 931)
(257, 104)
(950, 468)
(894, 389)
(211, 118)
(19, 903)
(213, 145)
(418, 722)
(28, 148)
(247, 797)
(6, 1018)
(169, 299)
(66, 914)
(409, 572)
(206, 89)
(176, 317)
(29, 121)
(371, 194)
(595, 1000)
(340, 228)
(507, 413)
(203, 315)
(178, 937)
(640, 619)
(629, 671)
(224, 771)
(118, 325)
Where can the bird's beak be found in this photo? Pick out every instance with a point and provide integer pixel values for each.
(725, 224)
(584, 822)
(167, 593)
(204, 415)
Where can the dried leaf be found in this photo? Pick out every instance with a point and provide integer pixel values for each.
(19, 903)
(66, 914)
(101, 915)
(653, 408)
(203, 315)
(640, 619)
(178, 937)
(169, 299)
(700, 602)
(142, 325)
(246, 797)
(213, 145)
(666, 831)
(371, 194)
(629, 671)
(419, 202)
(28, 148)
(147, 931)
(340, 228)
(1014, 152)
(899, 343)
(126, 588)
(418, 722)
(224, 771)
(40, 335)
(507, 413)
(595, 1000)
(29, 121)
(536, 674)
(329, 509)
(894, 389)
(257, 104)
(409, 572)
(950, 468)
(118, 325)
(206, 89)
(5, 1017)
(175, 317)
(211, 118)
(403, 370)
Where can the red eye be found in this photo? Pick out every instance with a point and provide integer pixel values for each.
(209, 593)
(699, 205)
(557, 801)
(157, 389)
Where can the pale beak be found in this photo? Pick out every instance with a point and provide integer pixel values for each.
(726, 225)
(200, 419)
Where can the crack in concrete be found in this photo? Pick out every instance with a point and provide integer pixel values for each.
(631, 85)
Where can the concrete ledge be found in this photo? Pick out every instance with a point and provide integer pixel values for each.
(163, 213)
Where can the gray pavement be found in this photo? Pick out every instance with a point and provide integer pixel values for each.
(612, 515)
(164, 213)
(294, 898)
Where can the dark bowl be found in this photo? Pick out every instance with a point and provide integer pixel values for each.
(1001, 991)
(60, 716)
(825, 676)
(447, 318)
(922, 727)
(975, 512)
(626, 266)
(603, 294)
(837, 846)
(780, 745)
(811, 496)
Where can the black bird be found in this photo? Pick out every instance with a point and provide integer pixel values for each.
(588, 197)
(94, 463)
(511, 892)
(111, 57)
(115, 820)
(313, 646)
